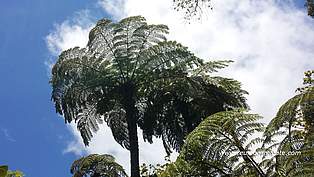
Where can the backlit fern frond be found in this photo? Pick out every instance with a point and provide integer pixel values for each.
(294, 123)
(217, 146)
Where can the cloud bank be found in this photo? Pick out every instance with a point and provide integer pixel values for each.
(271, 43)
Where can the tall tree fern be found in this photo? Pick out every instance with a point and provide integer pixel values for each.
(129, 75)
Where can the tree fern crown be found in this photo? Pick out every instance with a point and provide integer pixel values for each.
(131, 58)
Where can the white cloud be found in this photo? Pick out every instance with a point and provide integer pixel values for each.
(7, 135)
(271, 45)
(70, 33)
(114, 8)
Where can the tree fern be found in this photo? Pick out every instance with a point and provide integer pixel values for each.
(294, 124)
(129, 75)
(95, 165)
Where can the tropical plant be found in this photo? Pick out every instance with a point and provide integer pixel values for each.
(291, 133)
(5, 172)
(95, 165)
(150, 170)
(129, 75)
(223, 144)
(155, 170)
(220, 146)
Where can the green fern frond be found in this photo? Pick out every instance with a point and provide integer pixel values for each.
(215, 146)
(98, 166)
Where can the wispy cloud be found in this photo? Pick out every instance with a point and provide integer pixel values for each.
(70, 33)
(115, 8)
(7, 135)
(271, 44)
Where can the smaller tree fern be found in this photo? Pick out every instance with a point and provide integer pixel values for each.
(96, 165)
(221, 146)
(290, 134)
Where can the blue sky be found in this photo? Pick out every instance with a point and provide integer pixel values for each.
(33, 137)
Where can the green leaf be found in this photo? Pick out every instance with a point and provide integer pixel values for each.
(3, 170)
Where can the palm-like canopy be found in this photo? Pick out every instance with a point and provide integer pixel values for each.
(129, 75)
(95, 165)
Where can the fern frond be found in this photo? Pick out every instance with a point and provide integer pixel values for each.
(216, 141)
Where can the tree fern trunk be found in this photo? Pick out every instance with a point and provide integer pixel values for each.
(135, 170)
(129, 104)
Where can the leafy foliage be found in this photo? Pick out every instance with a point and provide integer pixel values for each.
(157, 170)
(294, 125)
(220, 146)
(5, 172)
(96, 165)
(151, 170)
(310, 7)
(195, 8)
(192, 8)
